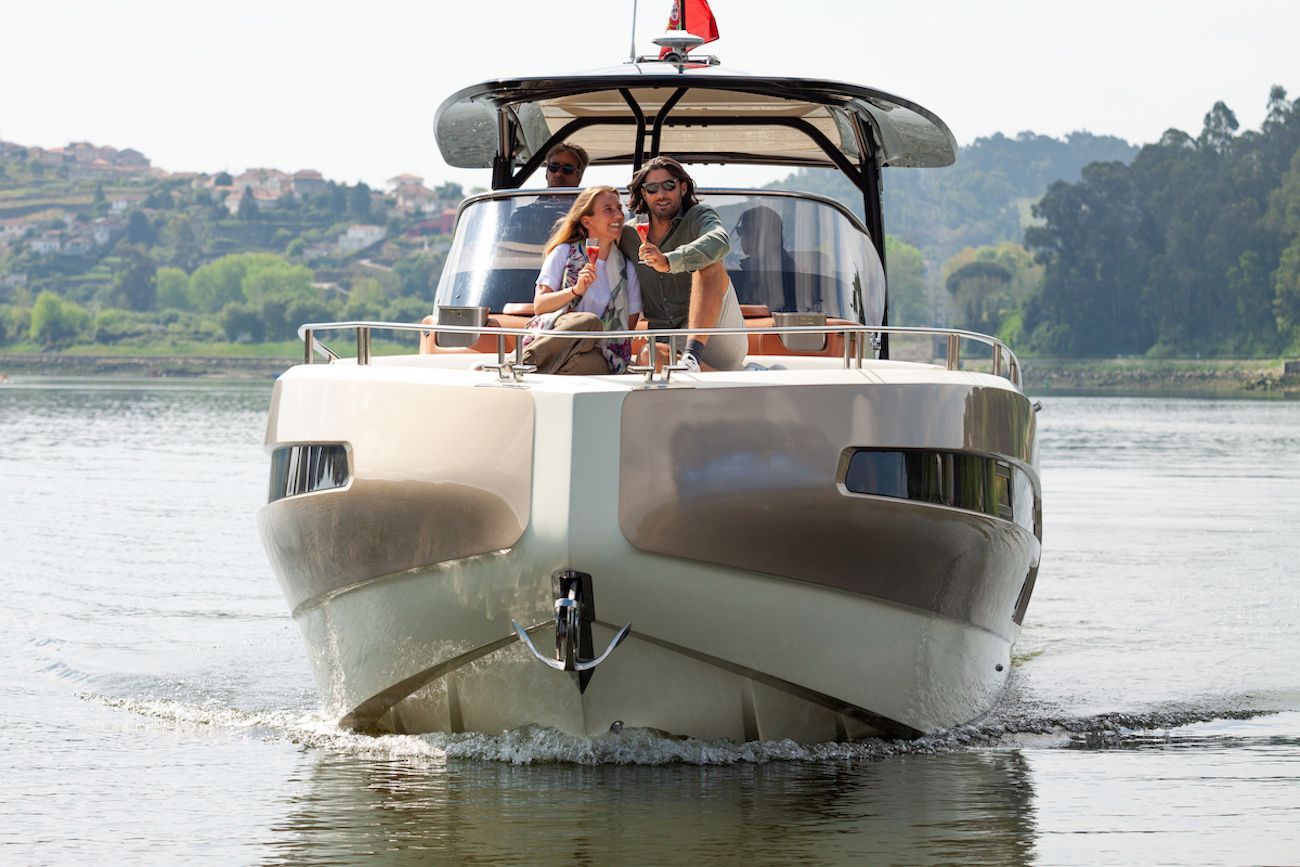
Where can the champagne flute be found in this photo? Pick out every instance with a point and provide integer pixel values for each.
(642, 224)
(593, 249)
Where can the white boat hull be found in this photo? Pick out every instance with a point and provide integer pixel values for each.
(746, 624)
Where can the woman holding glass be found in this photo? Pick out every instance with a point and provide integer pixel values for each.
(585, 284)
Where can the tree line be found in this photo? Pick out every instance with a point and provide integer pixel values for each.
(1192, 249)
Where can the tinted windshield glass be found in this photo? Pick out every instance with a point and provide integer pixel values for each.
(787, 253)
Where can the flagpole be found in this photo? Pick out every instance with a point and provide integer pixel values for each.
(681, 14)
(632, 53)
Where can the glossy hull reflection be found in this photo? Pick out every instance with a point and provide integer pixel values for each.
(970, 808)
(767, 600)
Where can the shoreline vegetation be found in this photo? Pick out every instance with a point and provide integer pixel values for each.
(1257, 378)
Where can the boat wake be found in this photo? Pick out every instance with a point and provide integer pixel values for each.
(531, 745)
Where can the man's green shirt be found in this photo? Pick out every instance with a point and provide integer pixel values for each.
(695, 240)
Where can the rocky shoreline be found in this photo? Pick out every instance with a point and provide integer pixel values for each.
(1217, 378)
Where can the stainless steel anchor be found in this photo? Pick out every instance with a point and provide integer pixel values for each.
(575, 611)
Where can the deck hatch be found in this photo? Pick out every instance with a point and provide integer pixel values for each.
(304, 469)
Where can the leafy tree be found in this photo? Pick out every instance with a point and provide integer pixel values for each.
(359, 202)
(984, 199)
(419, 274)
(55, 320)
(159, 200)
(270, 277)
(338, 200)
(243, 323)
(449, 191)
(248, 277)
(185, 249)
(15, 322)
(247, 205)
(120, 326)
(173, 287)
(223, 179)
(366, 300)
(138, 229)
(907, 301)
(218, 283)
(303, 310)
(135, 282)
(979, 291)
(1096, 247)
(406, 310)
(1220, 126)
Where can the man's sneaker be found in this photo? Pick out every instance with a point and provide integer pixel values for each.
(690, 362)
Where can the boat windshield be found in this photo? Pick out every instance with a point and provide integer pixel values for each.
(788, 253)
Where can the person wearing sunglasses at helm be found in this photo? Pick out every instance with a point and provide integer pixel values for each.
(564, 165)
(684, 283)
(563, 168)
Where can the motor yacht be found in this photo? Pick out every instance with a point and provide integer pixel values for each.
(838, 541)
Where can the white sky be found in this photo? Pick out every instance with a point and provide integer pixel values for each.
(350, 88)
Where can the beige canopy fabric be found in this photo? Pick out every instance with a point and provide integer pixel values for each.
(722, 116)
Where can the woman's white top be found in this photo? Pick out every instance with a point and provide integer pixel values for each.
(596, 298)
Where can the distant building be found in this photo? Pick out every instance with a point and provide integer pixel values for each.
(105, 231)
(52, 157)
(308, 182)
(12, 228)
(407, 180)
(77, 245)
(442, 224)
(358, 237)
(9, 282)
(49, 242)
(122, 202)
(271, 183)
(264, 199)
(131, 158)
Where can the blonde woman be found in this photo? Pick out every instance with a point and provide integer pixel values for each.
(576, 293)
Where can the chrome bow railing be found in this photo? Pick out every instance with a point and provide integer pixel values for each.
(857, 339)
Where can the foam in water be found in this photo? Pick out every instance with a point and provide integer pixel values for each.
(541, 745)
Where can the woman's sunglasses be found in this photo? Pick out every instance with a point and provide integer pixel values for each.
(561, 167)
(653, 187)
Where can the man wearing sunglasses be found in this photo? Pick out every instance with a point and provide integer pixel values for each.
(564, 165)
(563, 168)
(684, 283)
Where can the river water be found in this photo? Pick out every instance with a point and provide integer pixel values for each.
(156, 704)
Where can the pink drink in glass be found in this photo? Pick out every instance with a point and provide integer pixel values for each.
(593, 250)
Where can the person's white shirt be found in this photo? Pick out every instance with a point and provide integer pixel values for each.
(596, 298)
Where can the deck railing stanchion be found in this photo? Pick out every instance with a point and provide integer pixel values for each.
(309, 340)
(997, 359)
(501, 348)
(954, 352)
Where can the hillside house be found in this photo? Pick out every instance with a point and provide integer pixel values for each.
(105, 231)
(271, 183)
(47, 243)
(120, 203)
(406, 180)
(130, 158)
(12, 229)
(358, 237)
(442, 224)
(308, 182)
